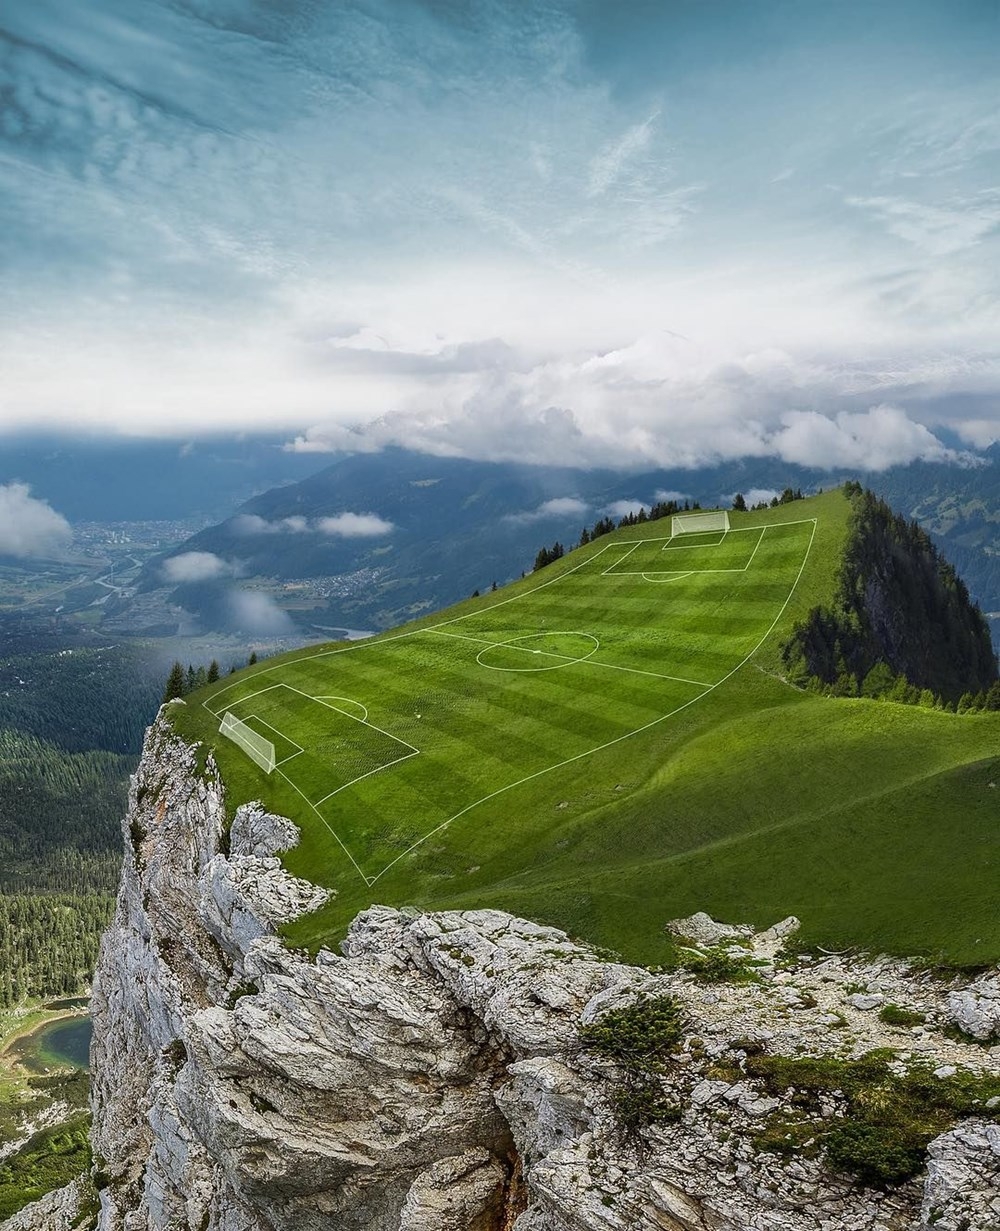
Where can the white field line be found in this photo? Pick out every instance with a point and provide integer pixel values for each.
(369, 880)
(249, 697)
(746, 567)
(377, 770)
(628, 553)
(660, 579)
(567, 659)
(614, 571)
(680, 547)
(353, 717)
(350, 700)
(287, 738)
(638, 731)
(284, 760)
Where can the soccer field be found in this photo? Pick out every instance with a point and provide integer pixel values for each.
(384, 742)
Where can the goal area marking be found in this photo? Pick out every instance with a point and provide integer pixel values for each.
(257, 748)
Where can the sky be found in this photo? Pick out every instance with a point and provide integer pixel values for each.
(626, 233)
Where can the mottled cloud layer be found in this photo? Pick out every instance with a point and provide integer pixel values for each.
(617, 235)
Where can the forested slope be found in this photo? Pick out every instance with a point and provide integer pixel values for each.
(901, 615)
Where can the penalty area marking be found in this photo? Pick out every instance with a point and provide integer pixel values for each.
(614, 571)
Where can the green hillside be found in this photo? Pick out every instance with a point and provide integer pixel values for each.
(610, 743)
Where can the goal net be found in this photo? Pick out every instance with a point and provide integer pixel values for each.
(255, 746)
(697, 523)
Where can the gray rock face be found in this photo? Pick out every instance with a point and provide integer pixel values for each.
(430, 1076)
(976, 1008)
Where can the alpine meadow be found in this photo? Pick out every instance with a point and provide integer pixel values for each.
(618, 738)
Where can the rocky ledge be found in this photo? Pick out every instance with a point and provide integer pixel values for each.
(476, 1072)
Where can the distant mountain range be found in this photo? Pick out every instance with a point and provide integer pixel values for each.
(374, 539)
(103, 479)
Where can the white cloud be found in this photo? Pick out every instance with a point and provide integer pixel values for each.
(882, 437)
(980, 433)
(758, 495)
(345, 525)
(254, 612)
(29, 526)
(665, 494)
(196, 566)
(622, 508)
(250, 523)
(355, 526)
(560, 506)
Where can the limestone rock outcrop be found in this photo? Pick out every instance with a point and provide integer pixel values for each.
(431, 1075)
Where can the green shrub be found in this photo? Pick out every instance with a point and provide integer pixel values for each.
(894, 1015)
(52, 1158)
(889, 1118)
(639, 1039)
(644, 1033)
(717, 965)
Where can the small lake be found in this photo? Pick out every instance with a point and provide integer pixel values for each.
(62, 1044)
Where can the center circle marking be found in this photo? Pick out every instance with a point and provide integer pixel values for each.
(558, 658)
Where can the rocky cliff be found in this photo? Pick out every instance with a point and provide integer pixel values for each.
(476, 1072)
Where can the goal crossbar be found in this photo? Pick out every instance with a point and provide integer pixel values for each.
(256, 747)
(698, 523)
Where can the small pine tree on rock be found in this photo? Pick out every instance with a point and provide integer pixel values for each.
(175, 683)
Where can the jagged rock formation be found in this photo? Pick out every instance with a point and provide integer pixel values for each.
(432, 1078)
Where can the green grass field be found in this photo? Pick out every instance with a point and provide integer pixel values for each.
(608, 743)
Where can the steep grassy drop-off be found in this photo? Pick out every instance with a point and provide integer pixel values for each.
(608, 800)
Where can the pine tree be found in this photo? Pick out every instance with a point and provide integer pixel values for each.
(213, 672)
(252, 659)
(175, 683)
(739, 503)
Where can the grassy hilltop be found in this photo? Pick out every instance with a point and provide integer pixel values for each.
(612, 742)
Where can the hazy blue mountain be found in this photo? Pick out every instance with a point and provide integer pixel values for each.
(114, 479)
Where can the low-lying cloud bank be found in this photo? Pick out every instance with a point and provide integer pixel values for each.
(196, 566)
(559, 506)
(870, 440)
(29, 526)
(343, 525)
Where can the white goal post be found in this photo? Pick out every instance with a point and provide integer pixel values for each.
(697, 523)
(255, 746)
